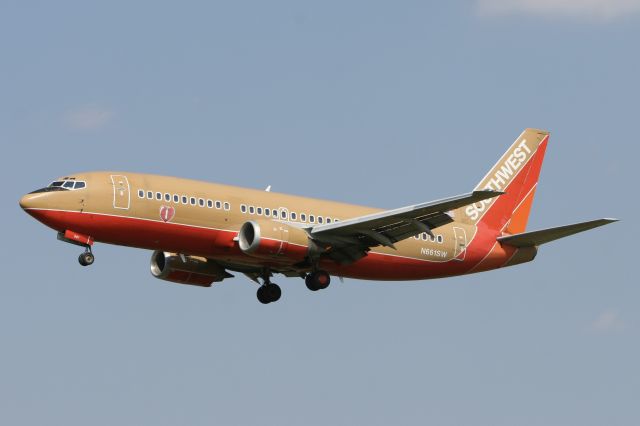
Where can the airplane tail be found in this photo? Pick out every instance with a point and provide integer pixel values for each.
(516, 174)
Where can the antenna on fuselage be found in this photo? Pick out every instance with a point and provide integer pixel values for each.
(268, 188)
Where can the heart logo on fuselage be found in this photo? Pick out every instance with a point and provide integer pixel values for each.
(167, 213)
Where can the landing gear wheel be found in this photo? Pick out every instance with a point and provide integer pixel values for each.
(269, 293)
(318, 280)
(274, 291)
(263, 297)
(86, 258)
(308, 280)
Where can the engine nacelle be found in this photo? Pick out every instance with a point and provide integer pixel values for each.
(268, 239)
(193, 270)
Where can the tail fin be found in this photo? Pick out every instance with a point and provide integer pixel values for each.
(516, 174)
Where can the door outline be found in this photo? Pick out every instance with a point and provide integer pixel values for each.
(123, 200)
(284, 232)
(460, 243)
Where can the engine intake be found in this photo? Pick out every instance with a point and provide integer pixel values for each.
(194, 270)
(274, 240)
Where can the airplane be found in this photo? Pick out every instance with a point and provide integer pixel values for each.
(201, 232)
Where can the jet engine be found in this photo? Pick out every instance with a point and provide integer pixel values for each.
(268, 239)
(192, 270)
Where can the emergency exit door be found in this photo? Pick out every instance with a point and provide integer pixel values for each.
(460, 249)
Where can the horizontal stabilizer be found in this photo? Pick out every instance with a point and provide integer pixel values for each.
(535, 238)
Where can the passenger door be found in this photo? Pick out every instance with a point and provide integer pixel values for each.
(121, 192)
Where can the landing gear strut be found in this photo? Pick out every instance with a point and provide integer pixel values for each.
(268, 292)
(86, 258)
(317, 280)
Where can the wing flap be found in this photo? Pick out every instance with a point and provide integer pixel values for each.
(536, 238)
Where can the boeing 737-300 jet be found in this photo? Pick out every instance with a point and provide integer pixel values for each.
(200, 232)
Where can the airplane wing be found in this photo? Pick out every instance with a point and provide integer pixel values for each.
(536, 238)
(351, 239)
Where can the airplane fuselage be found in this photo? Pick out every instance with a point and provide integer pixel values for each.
(203, 219)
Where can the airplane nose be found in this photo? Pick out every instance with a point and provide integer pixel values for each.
(27, 201)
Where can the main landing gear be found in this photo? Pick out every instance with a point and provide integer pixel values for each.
(86, 258)
(268, 292)
(317, 280)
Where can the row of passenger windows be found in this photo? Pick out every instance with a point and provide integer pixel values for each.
(184, 199)
(285, 215)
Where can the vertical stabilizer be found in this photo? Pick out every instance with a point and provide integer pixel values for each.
(516, 173)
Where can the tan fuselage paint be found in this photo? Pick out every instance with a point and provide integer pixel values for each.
(104, 195)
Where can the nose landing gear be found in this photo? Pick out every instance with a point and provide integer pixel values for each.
(86, 258)
(71, 237)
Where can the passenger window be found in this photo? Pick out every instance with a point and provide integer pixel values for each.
(158, 196)
(150, 195)
(320, 219)
(184, 199)
(218, 205)
(176, 198)
(243, 208)
(275, 213)
(259, 211)
(227, 206)
(210, 204)
(283, 214)
(328, 220)
(167, 197)
(440, 239)
(141, 193)
(303, 217)
(201, 202)
(79, 185)
(252, 210)
(192, 201)
(312, 218)
(267, 211)
(424, 236)
(68, 184)
(293, 216)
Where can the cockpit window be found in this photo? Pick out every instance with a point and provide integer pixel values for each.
(63, 185)
(68, 184)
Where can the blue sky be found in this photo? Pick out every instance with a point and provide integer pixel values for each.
(378, 103)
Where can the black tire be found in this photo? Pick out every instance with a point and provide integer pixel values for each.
(322, 279)
(274, 292)
(309, 282)
(263, 296)
(86, 258)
